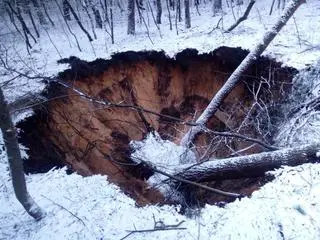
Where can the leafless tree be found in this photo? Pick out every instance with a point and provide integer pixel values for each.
(217, 6)
(169, 14)
(131, 17)
(78, 20)
(179, 10)
(159, 11)
(187, 13)
(37, 8)
(15, 161)
(66, 10)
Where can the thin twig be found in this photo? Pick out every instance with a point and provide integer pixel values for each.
(151, 230)
(62, 207)
(158, 226)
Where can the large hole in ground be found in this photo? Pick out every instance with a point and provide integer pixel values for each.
(91, 138)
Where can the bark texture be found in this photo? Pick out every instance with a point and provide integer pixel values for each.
(131, 17)
(187, 13)
(254, 165)
(159, 11)
(15, 162)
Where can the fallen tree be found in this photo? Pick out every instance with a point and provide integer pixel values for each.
(254, 165)
(235, 77)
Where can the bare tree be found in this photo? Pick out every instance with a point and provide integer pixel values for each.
(236, 75)
(179, 10)
(111, 22)
(78, 20)
(131, 17)
(217, 6)
(15, 162)
(169, 14)
(66, 10)
(46, 12)
(187, 13)
(25, 29)
(95, 12)
(37, 8)
(159, 11)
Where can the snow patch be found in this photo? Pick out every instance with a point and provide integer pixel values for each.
(163, 154)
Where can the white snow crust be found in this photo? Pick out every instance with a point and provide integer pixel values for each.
(92, 208)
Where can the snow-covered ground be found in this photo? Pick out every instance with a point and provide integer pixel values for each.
(92, 208)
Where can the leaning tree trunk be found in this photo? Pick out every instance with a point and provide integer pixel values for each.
(15, 162)
(187, 13)
(131, 17)
(236, 75)
(254, 165)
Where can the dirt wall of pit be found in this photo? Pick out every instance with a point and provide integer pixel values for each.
(94, 138)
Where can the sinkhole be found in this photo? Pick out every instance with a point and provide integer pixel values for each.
(94, 138)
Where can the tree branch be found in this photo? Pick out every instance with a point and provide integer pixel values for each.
(235, 77)
(243, 17)
(253, 165)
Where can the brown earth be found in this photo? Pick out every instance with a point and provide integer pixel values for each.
(92, 138)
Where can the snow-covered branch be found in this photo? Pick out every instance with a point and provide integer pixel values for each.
(251, 165)
(236, 75)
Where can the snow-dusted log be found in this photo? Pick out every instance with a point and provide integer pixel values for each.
(235, 77)
(15, 161)
(254, 165)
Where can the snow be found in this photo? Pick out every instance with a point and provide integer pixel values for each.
(301, 124)
(163, 153)
(92, 208)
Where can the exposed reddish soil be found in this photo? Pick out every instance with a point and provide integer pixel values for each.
(94, 139)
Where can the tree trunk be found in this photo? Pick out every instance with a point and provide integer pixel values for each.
(78, 20)
(236, 75)
(159, 11)
(66, 10)
(15, 162)
(28, 11)
(217, 6)
(169, 14)
(96, 14)
(179, 10)
(40, 15)
(187, 13)
(111, 22)
(254, 165)
(239, 2)
(97, 17)
(46, 12)
(131, 17)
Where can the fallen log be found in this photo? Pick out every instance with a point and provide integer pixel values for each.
(254, 165)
